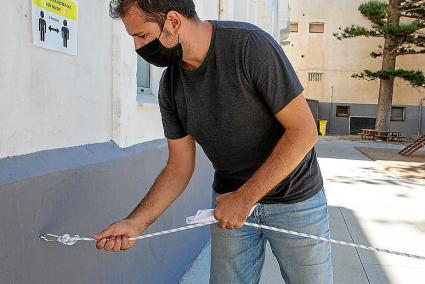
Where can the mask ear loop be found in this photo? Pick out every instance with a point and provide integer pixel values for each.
(163, 25)
(162, 30)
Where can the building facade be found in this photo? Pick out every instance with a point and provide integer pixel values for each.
(325, 65)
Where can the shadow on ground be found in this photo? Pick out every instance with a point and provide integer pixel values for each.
(399, 165)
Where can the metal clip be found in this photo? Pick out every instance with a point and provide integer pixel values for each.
(65, 239)
(49, 237)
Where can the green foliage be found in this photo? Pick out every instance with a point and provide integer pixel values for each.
(405, 38)
(400, 30)
(375, 11)
(355, 31)
(415, 78)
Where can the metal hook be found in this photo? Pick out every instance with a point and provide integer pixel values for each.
(48, 237)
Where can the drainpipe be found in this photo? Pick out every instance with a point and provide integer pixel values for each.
(420, 117)
(275, 18)
(330, 108)
(221, 9)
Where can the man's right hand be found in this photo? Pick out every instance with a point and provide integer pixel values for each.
(118, 234)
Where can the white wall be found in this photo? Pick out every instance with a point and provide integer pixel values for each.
(48, 99)
(133, 122)
(270, 15)
(51, 100)
(207, 9)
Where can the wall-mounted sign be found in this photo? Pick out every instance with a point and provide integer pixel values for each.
(55, 25)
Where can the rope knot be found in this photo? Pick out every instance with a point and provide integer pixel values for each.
(68, 240)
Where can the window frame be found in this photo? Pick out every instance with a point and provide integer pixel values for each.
(312, 76)
(291, 25)
(316, 23)
(348, 113)
(403, 113)
(143, 90)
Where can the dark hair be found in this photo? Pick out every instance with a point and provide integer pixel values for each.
(154, 10)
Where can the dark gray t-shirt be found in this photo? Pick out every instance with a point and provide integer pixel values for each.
(228, 104)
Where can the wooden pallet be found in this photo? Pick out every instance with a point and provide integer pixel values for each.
(413, 147)
(372, 134)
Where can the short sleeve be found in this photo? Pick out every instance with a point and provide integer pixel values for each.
(268, 67)
(173, 127)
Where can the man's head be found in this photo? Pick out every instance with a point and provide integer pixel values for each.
(145, 19)
(65, 23)
(42, 14)
(154, 10)
(148, 21)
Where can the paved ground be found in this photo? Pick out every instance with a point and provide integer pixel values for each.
(405, 167)
(367, 205)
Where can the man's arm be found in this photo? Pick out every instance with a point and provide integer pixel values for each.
(299, 138)
(170, 183)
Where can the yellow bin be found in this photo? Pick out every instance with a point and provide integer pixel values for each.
(322, 126)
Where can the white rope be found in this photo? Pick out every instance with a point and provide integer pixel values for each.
(334, 241)
(68, 240)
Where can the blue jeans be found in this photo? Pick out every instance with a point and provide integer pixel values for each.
(237, 255)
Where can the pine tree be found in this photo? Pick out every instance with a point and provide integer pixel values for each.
(401, 38)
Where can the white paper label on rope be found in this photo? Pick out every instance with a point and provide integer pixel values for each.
(206, 215)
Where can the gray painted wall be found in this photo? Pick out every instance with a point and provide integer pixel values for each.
(340, 125)
(81, 190)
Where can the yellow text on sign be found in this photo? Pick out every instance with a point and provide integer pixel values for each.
(65, 8)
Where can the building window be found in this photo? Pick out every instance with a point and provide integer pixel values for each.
(143, 77)
(397, 113)
(317, 27)
(342, 111)
(315, 77)
(293, 27)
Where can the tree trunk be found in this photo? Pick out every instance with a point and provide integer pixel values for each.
(386, 89)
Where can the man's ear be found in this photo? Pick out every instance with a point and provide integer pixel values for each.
(173, 22)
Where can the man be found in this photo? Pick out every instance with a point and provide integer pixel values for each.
(65, 34)
(230, 87)
(42, 27)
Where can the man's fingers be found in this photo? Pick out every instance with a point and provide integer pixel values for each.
(132, 242)
(229, 226)
(224, 225)
(124, 243)
(101, 244)
(238, 226)
(104, 234)
(110, 244)
(117, 246)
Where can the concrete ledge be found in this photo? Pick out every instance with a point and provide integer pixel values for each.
(18, 168)
(81, 190)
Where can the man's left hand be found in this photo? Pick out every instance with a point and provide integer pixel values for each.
(232, 209)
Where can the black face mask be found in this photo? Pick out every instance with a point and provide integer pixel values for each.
(157, 54)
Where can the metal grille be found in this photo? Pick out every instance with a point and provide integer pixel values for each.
(315, 77)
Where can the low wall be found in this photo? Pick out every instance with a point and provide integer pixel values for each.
(81, 190)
